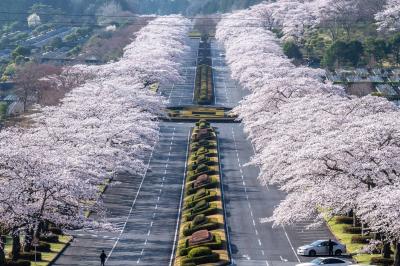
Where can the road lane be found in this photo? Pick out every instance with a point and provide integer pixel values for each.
(145, 214)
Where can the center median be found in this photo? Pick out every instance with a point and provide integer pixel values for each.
(202, 230)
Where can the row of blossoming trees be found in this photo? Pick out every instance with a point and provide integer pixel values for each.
(332, 153)
(50, 170)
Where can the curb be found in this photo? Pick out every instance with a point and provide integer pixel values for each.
(61, 252)
(228, 240)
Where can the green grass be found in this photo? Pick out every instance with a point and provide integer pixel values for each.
(345, 238)
(47, 257)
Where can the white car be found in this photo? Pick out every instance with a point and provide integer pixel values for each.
(321, 247)
(326, 261)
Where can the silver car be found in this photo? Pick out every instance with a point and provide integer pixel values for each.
(321, 247)
(326, 261)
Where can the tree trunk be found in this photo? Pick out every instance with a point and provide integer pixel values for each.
(16, 246)
(386, 250)
(28, 240)
(354, 219)
(2, 253)
(397, 255)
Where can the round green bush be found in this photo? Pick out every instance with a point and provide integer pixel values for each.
(199, 219)
(199, 252)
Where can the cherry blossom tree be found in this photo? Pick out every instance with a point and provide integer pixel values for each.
(325, 149)
(388, 20)
(105, 124)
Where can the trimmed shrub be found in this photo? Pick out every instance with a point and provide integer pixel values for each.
(199, 252)
(358, 239)
(191, 175)
(30, 256)
(50, 238)
(55, 230)
(214, 257)
(201, 193)
(344, 220)
(18, 263)
(190, 228)
(352, 230)
(381, 260)
(44, 247)
(201, 205)
(189, 216)
(199, 219)
(215, 244)
(191, 190)
(209, 197)
(188, 264)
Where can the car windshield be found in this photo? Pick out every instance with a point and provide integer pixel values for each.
(316, 261)
(316, 243)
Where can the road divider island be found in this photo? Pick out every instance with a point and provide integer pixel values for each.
(202, 229)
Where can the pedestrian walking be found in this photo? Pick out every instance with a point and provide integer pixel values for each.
(330, 247)
(103, 258)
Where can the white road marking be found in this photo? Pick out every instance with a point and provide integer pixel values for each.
(132, 205)
(180, 203)
(290, 243)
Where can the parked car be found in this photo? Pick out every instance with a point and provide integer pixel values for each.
(327, 261)
(320, 247)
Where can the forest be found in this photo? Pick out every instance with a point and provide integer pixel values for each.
(187, 7)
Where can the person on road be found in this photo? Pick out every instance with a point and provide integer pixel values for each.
(103, 258)
(330, 247)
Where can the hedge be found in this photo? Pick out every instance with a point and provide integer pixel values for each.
(192, 176)
(212, 209)
(18, 263)
(358, 239)
(191, 190)
(215, 244)
(30, 256)
(352, 230)
(381, 260)
(199, 252)
(344, 220)
(190, 229)
(211, 196)
(214, 257)
(203, 92)
(44, 247)
(50, 238)
(55, 230)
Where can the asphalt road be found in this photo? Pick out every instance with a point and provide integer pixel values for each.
(145, 208)
(247, 201)
(182, 93)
